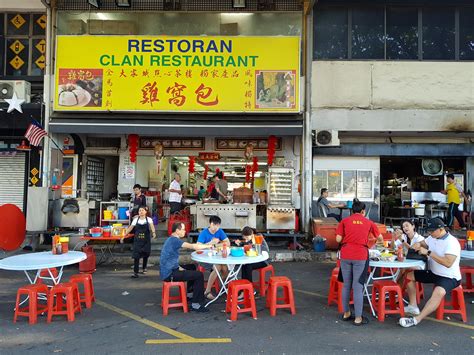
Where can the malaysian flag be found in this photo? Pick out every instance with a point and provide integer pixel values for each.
(35, 133)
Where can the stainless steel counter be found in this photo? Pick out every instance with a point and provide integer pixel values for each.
(233, 216)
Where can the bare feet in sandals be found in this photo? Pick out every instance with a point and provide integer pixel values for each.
(209, 295)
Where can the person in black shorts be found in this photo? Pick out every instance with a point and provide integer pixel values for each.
(443, 252)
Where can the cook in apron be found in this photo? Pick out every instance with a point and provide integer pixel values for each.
(141, 241)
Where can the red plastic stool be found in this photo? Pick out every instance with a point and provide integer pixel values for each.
(88, 296)
(166, 298)
(420, 291)
(58, 308)
(385, 271)
(216, 285)
(44, 274)
(262, 283)
(392, 289)
(232, 302)
(333, 286)
(457, 303)
(467, 271)
(272, 296)
(33, 309)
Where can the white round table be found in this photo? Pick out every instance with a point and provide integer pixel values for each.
(395, 267)
(231, 262)
(467, 254)
(39, 261)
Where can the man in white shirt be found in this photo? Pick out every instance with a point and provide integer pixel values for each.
(175, 194)
(443, 252)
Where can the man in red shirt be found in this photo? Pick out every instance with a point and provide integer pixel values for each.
(353, 234)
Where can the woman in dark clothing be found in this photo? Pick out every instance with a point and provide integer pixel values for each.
(248, 239)
(143, 228)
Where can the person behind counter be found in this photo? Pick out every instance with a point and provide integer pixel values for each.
(175, 194)
(221, 187)
(143, 227)
(201, 193)
(454, 193)
(139, 199)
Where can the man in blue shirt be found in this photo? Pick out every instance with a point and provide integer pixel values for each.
(170, 270)
(211, 236)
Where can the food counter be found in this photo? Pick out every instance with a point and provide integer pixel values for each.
(234, 216)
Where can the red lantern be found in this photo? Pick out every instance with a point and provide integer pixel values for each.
(272, 141)
(191, 165)
(248, 170)
(206, 170)
(133, 146)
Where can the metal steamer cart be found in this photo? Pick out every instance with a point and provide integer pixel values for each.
(281, 213)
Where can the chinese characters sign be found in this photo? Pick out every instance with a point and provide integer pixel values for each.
(185, 74)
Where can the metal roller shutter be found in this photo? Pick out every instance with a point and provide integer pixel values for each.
(12, 179)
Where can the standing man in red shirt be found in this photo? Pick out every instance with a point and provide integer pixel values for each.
(353, 234)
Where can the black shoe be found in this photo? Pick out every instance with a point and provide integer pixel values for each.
(201, 309)
(134, 276)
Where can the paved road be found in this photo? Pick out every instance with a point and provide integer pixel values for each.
(133, 323)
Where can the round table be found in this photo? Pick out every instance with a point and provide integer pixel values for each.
(395, 267)
(231, 262)
(467, 254)
(39, 261)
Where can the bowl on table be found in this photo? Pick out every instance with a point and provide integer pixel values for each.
(237, 252)
(95, 232)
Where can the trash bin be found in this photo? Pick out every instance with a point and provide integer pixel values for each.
(319, 244)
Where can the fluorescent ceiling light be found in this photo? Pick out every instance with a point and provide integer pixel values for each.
(238, 3)
(123, 3)
(95, 3)
(232, 163)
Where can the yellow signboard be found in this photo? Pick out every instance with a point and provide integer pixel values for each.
(184, 74)
(17, 47)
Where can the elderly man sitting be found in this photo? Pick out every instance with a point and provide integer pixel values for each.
(443, 252)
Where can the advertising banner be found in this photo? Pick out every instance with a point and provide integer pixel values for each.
(177, 74)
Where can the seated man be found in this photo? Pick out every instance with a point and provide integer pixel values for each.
(170, 270)
(211, 236)
(324, 205)
(443, 252)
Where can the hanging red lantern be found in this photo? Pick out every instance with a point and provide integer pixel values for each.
(133, 146)
(191, 165)
(217, 170)
(248, 170)
(206, 170)
(255, 165)
(272, 141)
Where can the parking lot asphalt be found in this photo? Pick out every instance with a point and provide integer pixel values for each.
(127, 318)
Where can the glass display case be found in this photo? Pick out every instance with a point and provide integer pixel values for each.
(280, 186)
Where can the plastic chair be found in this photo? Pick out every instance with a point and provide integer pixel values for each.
(467, 271)
(394, 292)
(288, 299)
(233, 304)
(262, 283)
(166, 298)
(457, 304)
(33, 308)
(88, 296)
(56, 304)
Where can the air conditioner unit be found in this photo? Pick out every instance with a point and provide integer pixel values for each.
(20, 87)
(326, 138)
(432, 167)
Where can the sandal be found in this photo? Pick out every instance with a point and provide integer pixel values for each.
(365, 320)
(209, 295)
(346, 319)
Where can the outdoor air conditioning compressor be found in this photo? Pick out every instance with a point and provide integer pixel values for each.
(326, 138)
(22, 89)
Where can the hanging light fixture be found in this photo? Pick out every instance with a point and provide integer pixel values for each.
(23, 147)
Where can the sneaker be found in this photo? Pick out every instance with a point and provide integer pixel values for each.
(407, 322)
(201, 309)
(144, 271)
(413, 310)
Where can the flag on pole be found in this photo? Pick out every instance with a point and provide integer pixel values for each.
(35, 133)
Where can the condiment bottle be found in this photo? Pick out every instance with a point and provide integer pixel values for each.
(224, 250)
(400, 256)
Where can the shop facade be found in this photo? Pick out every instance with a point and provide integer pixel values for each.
(161, 90)
(400, 112)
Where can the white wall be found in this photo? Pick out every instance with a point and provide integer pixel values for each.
(11, 5)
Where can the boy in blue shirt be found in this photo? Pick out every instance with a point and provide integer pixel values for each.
(170, 270)
(210, 236)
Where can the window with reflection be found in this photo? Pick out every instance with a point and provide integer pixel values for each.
(330, 34)
(466, 33)
(368, 34)
(402, 33)
(438, 33)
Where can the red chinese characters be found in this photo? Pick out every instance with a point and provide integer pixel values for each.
(149, 94)
(203, 93)
(176, 92)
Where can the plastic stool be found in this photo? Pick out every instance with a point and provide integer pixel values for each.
(262, 283)
(272, 296)
(457, 303)
(392, 289)
(44, 274)
(385, 271)
(33, 309)
(468, 271)
(232, 302)
(333, 286)
(420, 291)
(58, 308)
(166, 298)
(88, 296)
(216, 285)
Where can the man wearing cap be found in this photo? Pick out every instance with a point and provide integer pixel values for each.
(443, 252)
